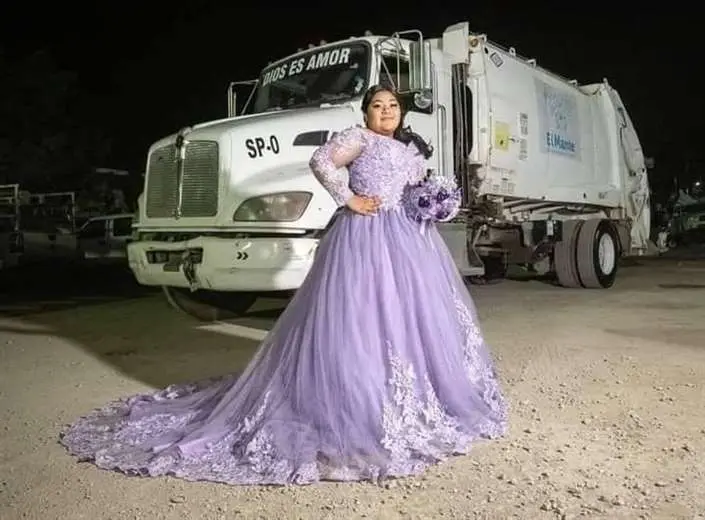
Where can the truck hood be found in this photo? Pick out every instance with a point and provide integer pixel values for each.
(264, 154)
(276, 120)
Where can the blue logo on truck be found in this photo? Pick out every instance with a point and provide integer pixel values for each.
(558, 143)
(558, 120)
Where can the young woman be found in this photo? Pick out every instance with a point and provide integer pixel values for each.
(377, 368)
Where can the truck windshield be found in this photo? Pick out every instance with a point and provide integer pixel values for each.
(318, 76)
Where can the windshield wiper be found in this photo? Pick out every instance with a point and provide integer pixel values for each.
(327, 98)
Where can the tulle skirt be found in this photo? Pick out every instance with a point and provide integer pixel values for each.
(377, 368)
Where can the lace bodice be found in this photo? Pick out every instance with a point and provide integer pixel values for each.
(376, 166)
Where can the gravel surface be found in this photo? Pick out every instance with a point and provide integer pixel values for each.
(606, 393)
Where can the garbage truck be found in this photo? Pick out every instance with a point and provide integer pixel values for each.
(553, 174)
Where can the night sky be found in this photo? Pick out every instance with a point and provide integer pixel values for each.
(144, 72)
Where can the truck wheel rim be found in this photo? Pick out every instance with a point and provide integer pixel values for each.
(606, 253)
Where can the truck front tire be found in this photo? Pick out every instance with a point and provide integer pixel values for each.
(209, 305)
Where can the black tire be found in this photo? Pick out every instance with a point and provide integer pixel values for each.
(209, 305)
(598, 269)
(564, 255)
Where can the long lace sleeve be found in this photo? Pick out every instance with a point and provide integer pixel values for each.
(417, 166)
(329, 161)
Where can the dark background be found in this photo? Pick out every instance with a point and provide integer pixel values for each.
(94, 85)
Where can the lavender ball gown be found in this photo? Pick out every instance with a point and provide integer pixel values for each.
(376, 369)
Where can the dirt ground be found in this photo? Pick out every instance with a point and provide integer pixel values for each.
(606, 393)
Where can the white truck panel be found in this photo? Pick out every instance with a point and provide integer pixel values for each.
(546, 139)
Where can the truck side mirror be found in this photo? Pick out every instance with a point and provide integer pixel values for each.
(232, 95)
(420, 70)
(232, 100)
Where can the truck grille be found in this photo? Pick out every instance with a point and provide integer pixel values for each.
(199, 181)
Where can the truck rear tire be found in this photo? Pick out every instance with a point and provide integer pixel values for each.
(598, 251)
(565, 257)
(209, 305)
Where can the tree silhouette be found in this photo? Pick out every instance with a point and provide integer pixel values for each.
(46, 141)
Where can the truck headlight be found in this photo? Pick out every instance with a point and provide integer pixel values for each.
(275, 207)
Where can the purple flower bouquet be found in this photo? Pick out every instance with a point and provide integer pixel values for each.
(436, 199)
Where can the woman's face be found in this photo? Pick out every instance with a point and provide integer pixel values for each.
(383, 113)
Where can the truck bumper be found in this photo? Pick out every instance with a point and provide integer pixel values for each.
(224, 264)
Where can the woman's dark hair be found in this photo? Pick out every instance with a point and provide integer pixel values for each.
(402, 133)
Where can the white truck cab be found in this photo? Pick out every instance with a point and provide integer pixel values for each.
(553, 173)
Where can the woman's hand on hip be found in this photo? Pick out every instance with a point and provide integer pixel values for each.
(364, 205)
